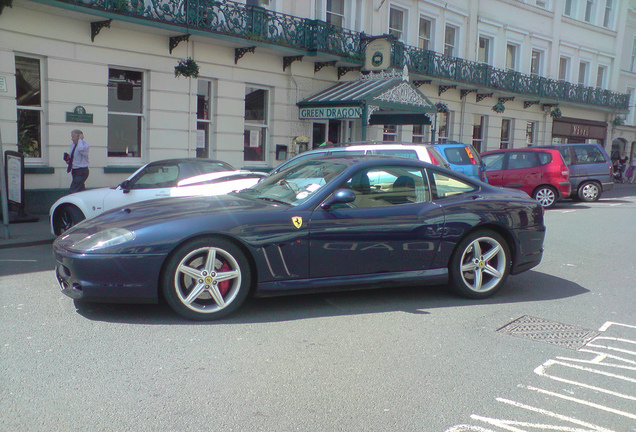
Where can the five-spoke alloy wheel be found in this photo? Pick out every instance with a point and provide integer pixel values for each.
(206, 278)
(480, 264)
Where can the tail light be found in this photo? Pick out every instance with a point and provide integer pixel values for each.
(565, 171)
(470, 156)
(433, 158)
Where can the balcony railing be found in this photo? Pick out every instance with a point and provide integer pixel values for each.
(434, 65)
(260, 25)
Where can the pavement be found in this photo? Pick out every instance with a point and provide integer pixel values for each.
(36, 230)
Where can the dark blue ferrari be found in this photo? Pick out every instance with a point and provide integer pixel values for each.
(325, 224)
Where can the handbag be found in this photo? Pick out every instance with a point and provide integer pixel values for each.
(629, 171)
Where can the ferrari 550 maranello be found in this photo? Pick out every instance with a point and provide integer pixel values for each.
(324, 224)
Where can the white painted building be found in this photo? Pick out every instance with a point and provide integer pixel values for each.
(108, 68)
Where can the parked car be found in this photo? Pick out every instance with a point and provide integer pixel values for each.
(423, 152)
(590, 169)
(540, 172)
(159, 179)
(463, 158)
(323, 224)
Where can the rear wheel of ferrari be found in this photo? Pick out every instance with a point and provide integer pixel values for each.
(480, 264)
(206, 279)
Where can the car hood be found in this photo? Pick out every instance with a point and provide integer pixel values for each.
(178, 217)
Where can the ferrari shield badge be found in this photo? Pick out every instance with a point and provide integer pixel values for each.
(297, 221)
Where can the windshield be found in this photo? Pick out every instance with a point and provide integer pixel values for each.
(296, 184)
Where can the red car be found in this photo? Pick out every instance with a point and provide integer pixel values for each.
(539, 172)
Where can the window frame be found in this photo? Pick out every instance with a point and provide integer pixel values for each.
(40, 109)
(399, 33)
(506, 137)
(141, 117)
(564, 68)
(205, 122)
(428, 39)
(255, 126)
(584, 73)
(451, 50)
(512, 59)
(536, 61)
(341, 17)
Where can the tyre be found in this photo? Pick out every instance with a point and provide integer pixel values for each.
(546, 195)
(479, 265)
(206, 279)
(589, 191)
(66, 217)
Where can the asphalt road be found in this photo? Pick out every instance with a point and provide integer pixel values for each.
(407, 359)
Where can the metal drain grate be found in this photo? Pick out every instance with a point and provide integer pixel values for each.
(539, 329)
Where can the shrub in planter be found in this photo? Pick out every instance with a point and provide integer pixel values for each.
(187, 68)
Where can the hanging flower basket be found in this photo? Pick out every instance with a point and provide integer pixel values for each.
(499, 107)
(556, 113)
(618, 121)
(186, 67)
(441, 107)
(5, 3)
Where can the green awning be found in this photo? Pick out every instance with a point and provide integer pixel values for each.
(387, 97)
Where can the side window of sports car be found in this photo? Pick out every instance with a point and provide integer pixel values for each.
(388, 186)
(157, 177)
(444, 186)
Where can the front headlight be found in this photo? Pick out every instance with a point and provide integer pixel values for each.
(103, 239)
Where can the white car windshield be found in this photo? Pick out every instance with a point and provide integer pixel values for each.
(295, 185)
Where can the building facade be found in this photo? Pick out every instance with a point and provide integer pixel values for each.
(501, 73)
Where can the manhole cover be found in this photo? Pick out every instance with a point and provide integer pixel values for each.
(555, 333)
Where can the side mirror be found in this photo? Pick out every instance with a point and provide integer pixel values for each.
(125, 186)
(341, 196)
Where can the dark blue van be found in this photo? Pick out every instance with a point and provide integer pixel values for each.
(590, 169)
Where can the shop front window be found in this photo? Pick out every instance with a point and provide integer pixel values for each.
(28, 84)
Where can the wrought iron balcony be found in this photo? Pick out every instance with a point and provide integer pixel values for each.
(257, 25)
(434, 65)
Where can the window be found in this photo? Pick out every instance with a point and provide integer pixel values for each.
(633, 62)
(601, 76)
(335, 12)
(511, 56)
(587, 155)
(564, 66)
(28, 90)
(589, 7)
(607, 17)
(256, 123)
(420, 132)
(391, 133)
(204, 118)
(531, 128)
(388, 186)
(536, 62)
(444, 186)
(125, 112)
(443, 126)
(483, 54)
(396, 23)
(583, 66)
(542, 3)
(506, 134)
(450, 41)
(478, 133)
(568, 8)
(424, 39)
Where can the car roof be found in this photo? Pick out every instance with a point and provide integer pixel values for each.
(525, 149)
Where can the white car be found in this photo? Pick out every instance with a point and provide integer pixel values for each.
(159, 179)
(424, 152)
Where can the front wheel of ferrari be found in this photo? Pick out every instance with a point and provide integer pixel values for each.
(206, 279)
(479, 265)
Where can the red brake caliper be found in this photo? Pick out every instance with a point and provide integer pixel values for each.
(225, 285)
